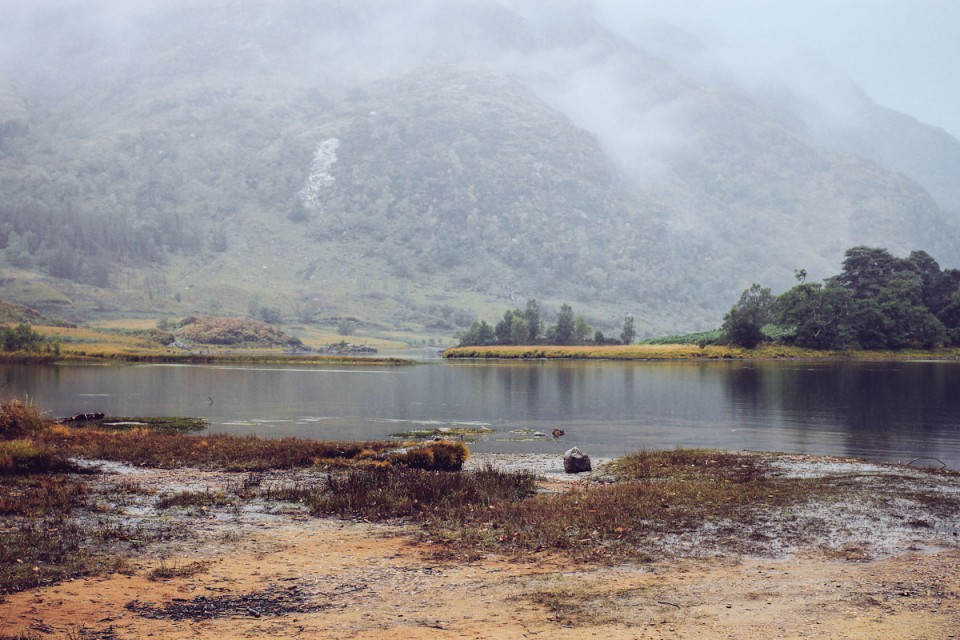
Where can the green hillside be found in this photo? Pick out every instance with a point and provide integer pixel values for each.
(407, 171)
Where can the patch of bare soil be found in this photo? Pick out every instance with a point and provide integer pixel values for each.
(263, 570)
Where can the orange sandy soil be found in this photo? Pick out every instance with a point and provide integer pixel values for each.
(361, 580)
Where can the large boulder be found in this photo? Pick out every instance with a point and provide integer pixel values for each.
(576, 461)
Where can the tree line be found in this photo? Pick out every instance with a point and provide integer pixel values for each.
(526, 327)
(877, 301)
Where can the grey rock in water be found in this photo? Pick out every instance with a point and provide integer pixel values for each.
(576, 461)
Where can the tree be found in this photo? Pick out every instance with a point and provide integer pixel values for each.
(744, 323)
(907, 323)
(504, 329)
(519, 331)
(480, 334)
(485, 335)
(818, 316)
(581, 329)
(534, 323)
(629, 332)
(866, 270)
(565, 325)
(20, 338)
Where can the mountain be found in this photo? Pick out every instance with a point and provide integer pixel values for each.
(414, 167)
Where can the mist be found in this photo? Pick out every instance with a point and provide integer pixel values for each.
(641, 157)
(832, 56)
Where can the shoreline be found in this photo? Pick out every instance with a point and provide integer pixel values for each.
(679, 352)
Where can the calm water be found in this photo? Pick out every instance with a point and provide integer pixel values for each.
(884, 411)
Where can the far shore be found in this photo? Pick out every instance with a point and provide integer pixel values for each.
(199, 358)
(684, 352)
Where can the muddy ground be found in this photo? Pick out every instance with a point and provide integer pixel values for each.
(884, 563)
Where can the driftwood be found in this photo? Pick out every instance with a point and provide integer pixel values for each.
(943, 465)
(83, 417)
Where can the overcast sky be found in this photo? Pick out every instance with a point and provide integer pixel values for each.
(904, 53)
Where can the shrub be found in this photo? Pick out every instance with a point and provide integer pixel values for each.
(20, 338)
(19, 457)
(391, 492)
(448, 456)
(230, 331)
(18, 419)
(441, 455)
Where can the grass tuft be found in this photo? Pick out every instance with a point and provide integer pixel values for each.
(18, 419)
(22, 457)
(393, 492)
(177, 570)
(441, 455)
(146, 447)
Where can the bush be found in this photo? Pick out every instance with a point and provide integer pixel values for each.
(18, 419)
(21, 457)
(20, 338)
(230, 331)
(448, 456)
(442, 455)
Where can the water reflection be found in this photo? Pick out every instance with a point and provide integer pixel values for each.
(880, 410)
(906, 409)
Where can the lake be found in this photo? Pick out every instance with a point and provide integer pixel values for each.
(894, 411)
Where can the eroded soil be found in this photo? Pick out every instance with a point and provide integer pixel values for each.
(274, 571)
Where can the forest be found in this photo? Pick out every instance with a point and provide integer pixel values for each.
(877, 301)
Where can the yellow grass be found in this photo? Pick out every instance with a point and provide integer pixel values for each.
(137, 324)
(681, 352)
(99, 343)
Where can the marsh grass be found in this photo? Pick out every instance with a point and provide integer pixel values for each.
(392, 492)
(19, 419)
(161, 424)
(571, 605)
(177, 570)
(205, 498)
(146, 447)
(20, 457)
(462, 434)
(44, 551)
(656, 495)
(36, 495)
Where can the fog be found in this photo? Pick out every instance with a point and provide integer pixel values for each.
(900, 54)
(708, 124)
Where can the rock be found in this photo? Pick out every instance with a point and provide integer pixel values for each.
(558, 433)
(576, 461)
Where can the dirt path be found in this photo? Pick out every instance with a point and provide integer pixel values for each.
(289, 575)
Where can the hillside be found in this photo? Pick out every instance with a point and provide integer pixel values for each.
(409, 169)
